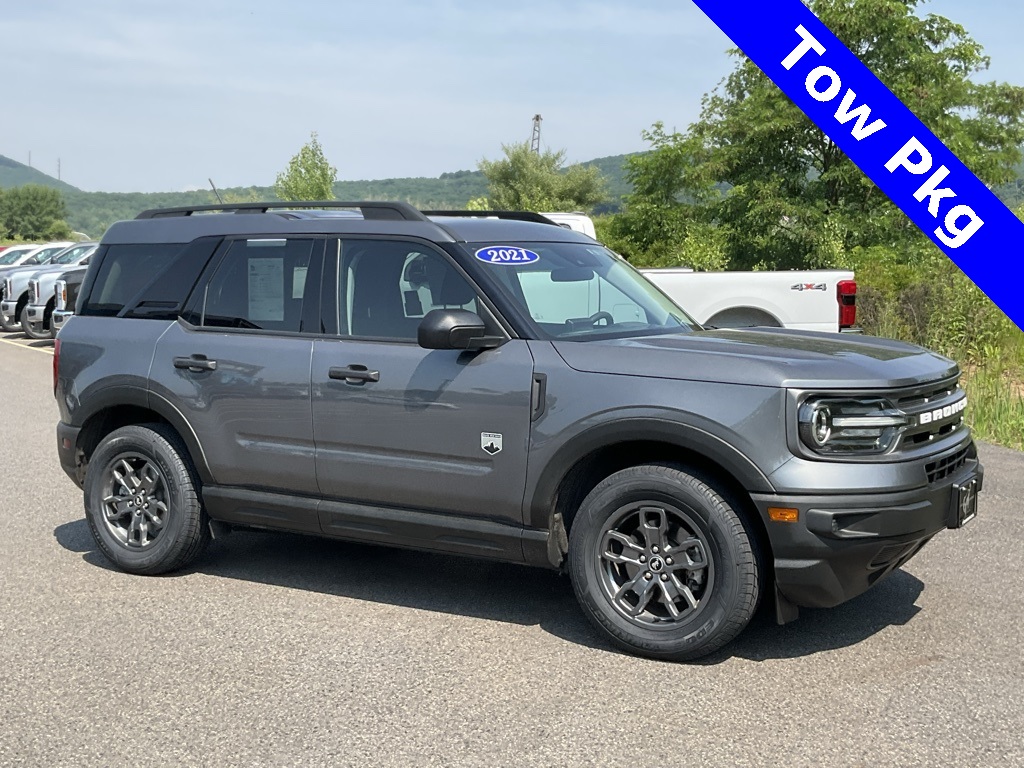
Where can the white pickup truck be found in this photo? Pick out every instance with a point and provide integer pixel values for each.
(810, 300)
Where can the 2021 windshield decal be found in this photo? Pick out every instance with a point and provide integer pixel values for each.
(506, 254)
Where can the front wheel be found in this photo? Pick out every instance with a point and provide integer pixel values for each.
(33, 330)
(142, 500)
(662, 564)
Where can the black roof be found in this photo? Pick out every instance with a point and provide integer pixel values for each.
(486, 230)
(179, 225)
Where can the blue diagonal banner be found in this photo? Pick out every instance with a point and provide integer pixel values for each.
(883, 138)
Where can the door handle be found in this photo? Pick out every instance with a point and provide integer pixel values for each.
(195, 363)
(354, 374)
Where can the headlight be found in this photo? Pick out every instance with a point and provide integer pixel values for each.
(8, 287)
(850, 426)
(60, 294)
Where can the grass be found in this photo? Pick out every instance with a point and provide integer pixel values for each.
(995, 388)
(943, 311)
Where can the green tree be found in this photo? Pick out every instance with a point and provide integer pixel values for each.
(308, 176)
(526, 181)
(781, 192)
(33, 212)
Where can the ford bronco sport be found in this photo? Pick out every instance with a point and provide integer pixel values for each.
(501, 387)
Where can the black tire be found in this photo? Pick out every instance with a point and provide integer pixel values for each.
(33, 331)
(716, 602)
(131, 539)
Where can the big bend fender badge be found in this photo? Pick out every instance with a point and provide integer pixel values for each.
(490, 442)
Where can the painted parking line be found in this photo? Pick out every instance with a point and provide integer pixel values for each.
(44, 350)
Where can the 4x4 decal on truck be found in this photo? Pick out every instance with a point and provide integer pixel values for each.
(810, 287)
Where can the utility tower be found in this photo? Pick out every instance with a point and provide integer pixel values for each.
(535, 141)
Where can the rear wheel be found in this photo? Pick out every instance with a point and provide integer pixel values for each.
(142, 500)
(33, 330)
(662, 564)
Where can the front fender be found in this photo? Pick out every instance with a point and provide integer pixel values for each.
(671, 429)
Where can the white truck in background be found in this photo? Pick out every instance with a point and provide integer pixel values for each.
(807, 300)
(810, 300)
(577, 222)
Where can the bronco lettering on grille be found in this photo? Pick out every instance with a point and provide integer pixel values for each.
(930, 417)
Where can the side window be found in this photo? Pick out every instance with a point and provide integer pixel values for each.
(124, 271)
(260, 284)
(386, 288)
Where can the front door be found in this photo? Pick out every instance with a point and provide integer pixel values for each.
(404, 427)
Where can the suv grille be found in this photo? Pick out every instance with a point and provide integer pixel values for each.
(921, 397)
(71, 295)
(935, 410)
(940, 470)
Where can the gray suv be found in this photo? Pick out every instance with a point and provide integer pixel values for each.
(495, 385)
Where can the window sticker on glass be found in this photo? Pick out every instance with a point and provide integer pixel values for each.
(506, 254)
(266, 290)
(298, 281)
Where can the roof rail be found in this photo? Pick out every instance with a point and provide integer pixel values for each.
(370, 210)
(511, 215)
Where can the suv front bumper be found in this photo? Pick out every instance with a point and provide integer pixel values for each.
(841, 545)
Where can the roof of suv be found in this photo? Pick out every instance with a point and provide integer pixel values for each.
(181, 226)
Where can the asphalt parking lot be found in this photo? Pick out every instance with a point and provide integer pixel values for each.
(285, 650)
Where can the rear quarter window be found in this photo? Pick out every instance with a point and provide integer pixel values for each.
(145, 280)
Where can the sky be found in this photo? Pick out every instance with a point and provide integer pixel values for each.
(156, 97)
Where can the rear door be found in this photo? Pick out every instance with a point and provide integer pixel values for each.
(400, 426)
(238, 362)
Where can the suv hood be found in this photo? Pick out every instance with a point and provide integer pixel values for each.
(770, 357)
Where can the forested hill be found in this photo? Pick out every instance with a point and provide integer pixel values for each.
(15, 174)
(93, 212)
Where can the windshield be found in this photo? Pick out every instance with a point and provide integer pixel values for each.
(44, 256)
(580, 291)
(71, 254)
(11, 255)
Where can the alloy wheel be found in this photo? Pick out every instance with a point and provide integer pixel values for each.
(655, 565)
(134, 500)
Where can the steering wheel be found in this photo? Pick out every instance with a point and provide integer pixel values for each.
(593, 320)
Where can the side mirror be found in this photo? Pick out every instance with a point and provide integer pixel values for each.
(454, 329)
